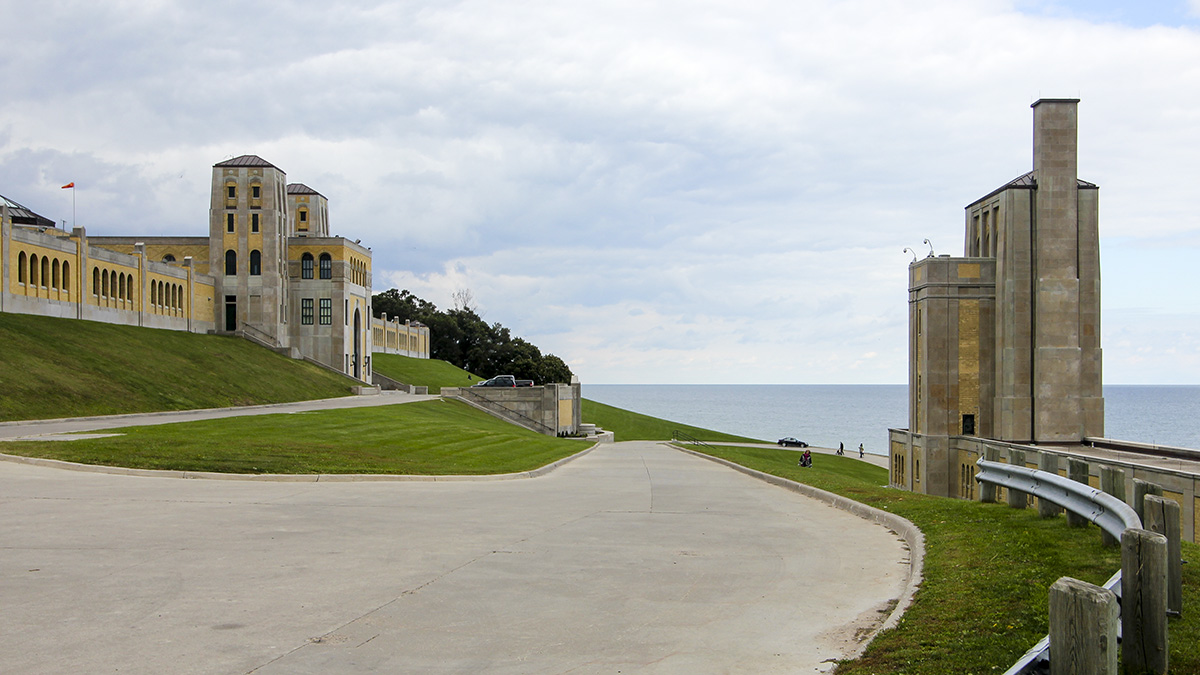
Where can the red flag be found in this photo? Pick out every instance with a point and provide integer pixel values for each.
(69, 185)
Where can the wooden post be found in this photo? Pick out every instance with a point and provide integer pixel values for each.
(1016, 498)
(1077, 470)
(1162, 516)
(1112, 481)
(1083, 628)
(987, 491)
(1143, 601)
(1141, 488)
(1049, 464)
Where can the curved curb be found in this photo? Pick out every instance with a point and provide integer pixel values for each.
(900, 526)
(290, 477)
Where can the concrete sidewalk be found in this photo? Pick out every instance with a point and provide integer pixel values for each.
(633, 558)
(37, 429)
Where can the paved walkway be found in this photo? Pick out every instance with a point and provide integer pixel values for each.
(42, 428)
(633, 558)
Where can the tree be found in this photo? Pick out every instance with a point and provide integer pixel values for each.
(459, 336)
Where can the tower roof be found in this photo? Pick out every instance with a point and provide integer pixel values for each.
(1028, 181)
(245, 160)
(21, 215)
(302, 189)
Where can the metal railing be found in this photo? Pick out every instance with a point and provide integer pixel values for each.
(1112, 515)
(534, 425)
(677, 435)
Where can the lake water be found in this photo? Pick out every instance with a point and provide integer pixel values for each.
(826, 414)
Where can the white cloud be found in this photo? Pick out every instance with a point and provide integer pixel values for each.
(663, 192)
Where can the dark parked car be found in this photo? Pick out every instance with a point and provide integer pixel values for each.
(792, 442)
(498, 381)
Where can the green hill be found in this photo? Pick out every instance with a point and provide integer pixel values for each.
(631, 426)
(430, 373)
(67, 368)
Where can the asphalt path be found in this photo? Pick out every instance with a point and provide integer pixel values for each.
(635, 557)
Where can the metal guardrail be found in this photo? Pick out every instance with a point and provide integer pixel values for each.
(1111, 514)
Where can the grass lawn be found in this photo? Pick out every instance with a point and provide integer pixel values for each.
(52, 367)
(430, 373)
(988, 571)
(631, 426)
(428, 438)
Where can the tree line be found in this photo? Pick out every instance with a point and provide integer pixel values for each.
(459, 336)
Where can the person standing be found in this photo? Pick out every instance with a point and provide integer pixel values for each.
(841, 448)
(861, 452)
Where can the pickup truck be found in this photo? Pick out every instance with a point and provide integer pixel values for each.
(504, 381)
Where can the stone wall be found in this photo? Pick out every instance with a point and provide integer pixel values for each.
(551, 409)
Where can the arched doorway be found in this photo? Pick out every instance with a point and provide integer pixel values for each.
(357, 344)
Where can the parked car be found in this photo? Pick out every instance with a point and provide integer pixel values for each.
(524, 383)
(792, 442)
(498, 381)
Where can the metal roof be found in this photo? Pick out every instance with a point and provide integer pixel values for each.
(301, 189)
(21, 215)
(1027, 181)
(246, 160)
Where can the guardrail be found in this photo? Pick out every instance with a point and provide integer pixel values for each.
(1143, 620)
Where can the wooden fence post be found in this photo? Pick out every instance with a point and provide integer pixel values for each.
(1016, 498)
(1112, 481)
(1083, 628)
(1143, 601)
(987, 491)
(1141, 488)
(1162, 516)
(1049, 464)
(1077, 470)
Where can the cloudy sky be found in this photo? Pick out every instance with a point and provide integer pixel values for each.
(710, 191)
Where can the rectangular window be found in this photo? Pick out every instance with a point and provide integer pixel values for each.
(230, 219)
(303, 216)
(231, 192)
(347, 314)
(326, 312)
(306, 311)
(254, 222)
(256, 191)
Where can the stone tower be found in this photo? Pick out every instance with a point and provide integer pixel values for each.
(248, 248)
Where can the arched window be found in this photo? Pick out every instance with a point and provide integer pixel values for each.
(121, 287)
(255, 263)
(96, 281)
(33, 270)
(66, 276)
(326, 266)
(104, 284)
(306, 266)
(129, 288)
(162, 294)
(153, 294)
(230, 263)
(168, 258)
(178, 297)
(22, 261)
(54, 274)
(45, 270)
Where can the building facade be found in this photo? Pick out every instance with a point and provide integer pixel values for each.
(268, 271)
(1004, 342)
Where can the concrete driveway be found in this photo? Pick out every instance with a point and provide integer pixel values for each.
(633, 558)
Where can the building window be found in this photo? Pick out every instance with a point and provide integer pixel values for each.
(968, 425)
(326, 312)
(256, 192)
(230, 263)
(255, 263)
(306, 266)
(96, 281)
(326, 266)
(304, 215)
(306, 311)
(231, 192)
(230, 220)
(254, 222)
(168, 258)
(21, 263)
(66, 276)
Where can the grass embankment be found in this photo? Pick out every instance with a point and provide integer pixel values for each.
(53, 367)
(431, 373)
(988, 570)
(631, 426)
(426, 438)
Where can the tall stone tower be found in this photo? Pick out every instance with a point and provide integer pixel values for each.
(248, 248)
(1004, 342)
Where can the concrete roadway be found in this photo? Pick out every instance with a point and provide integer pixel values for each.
(633, 558)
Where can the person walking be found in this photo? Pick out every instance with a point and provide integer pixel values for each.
(841, 448)
(861, 452)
